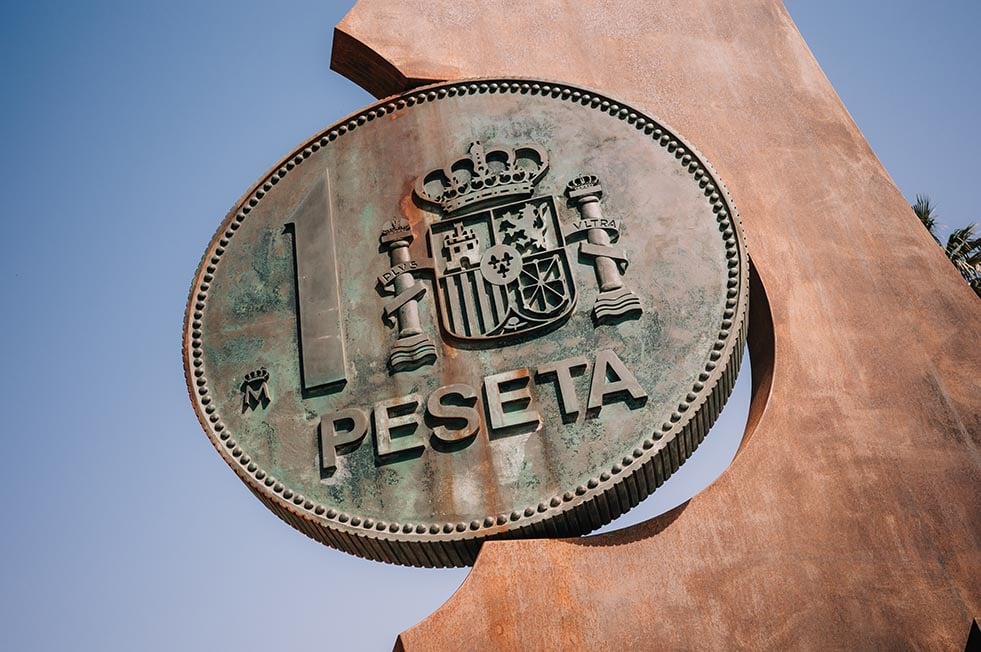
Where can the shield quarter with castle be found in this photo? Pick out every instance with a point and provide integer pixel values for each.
(500, 270)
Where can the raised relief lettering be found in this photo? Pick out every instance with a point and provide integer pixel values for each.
(510, 403)
(615, 302)
(452, 417)
(454, 405)
(611, 226)
(401, 268)
(612, 382)
(397, 425)
(342, 430)
(255, 389)
(562, 371)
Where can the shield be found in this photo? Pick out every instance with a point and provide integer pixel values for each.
(503, 271)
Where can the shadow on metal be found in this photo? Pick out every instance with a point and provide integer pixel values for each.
(760, 342)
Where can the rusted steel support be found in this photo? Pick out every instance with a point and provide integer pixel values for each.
(850, 518)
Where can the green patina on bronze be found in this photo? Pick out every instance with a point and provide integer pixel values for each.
(683, 300)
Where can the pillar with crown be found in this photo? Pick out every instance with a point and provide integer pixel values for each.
(412, 348)
(615, 301)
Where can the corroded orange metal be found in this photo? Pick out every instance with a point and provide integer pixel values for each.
(850, 518)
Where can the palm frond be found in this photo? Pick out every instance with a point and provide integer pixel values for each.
(961, 241)
(976, 285)
(926, 212)
(964, 251)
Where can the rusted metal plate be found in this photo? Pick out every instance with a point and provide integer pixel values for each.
(481, 309)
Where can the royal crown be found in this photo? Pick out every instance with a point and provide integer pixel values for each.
(583, 186)
(484, 175)
(397, 229)
(258, 375)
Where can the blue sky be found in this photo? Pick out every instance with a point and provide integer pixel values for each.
(128, 130)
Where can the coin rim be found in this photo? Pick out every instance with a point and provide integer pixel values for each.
(579, 510)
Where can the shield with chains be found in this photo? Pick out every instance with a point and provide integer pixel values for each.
(503, 271)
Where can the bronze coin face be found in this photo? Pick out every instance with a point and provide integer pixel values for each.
(492, 308)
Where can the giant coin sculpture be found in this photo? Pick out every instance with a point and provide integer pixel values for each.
(480, 309)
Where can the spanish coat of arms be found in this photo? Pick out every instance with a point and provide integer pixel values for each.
(499, 256)
(501, 271)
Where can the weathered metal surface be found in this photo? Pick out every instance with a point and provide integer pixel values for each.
(318, 295)
(850, 518)
(498, 308)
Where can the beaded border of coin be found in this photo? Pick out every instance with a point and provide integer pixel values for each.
(577, 511)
